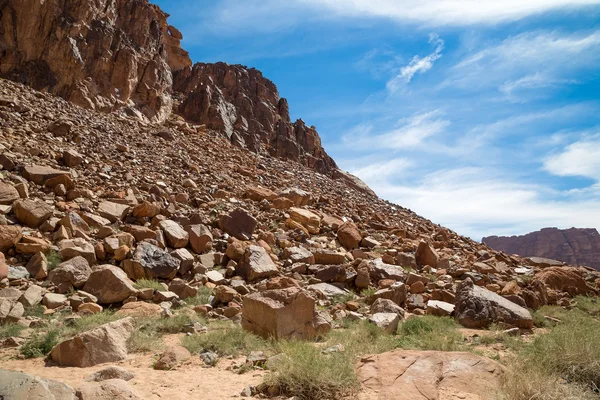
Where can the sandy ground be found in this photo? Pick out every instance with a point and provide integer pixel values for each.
(190, 381)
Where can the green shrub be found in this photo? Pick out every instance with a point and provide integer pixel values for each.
(41, 344)
(149, 284)
(430, 333)
(203, 297)
(226, 339)
(10, 330)
(54, 259)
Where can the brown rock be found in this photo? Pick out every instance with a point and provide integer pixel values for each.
(176, 236)
(38, 266)
(256, 264)
(109, 284)
(111, 389)
(279, 314)
(565, 279)
(32, 213)
(349, 236)
(8, 194)
(77, 247)
(106, 343)
(139, 309)
(239, 224)
(426, 255)
(9, 236)
(3, 267)
(258, 193)
(40, 174)
(309, 220)
(112, 211)
(146, 210)
(74, 272)
(172, 357)
(72, 159)
(200, 238)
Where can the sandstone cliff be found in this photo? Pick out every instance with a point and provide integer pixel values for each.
(247, 107)
(102, 54)
(573, 246)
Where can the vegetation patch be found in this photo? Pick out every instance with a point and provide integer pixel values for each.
(430, 333)
(10, 330)
(40, 345)
(226, 339)
(54, 259)
(149, 284)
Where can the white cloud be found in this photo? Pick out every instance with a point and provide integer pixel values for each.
(581, 158)
(527, 63)
(418, 65)
(446, 12)
(477, 202)
(382, 171)
(409, 133)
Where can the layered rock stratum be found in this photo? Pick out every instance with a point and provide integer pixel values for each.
(573, 246)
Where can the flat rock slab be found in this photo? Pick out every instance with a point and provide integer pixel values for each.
(428, 375)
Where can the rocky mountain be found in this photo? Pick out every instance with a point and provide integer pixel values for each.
(247, 107)
(122, 55)
(105, 54)
(573, 246)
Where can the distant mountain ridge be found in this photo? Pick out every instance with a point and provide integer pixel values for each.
(574, 246)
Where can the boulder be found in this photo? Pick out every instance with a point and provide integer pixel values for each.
(439, 308)
(326, 290)
(298, 255)
(200, 238)
(382, 305)
(54, 300)
(426, 255)
(38, 266)
(172, 357)
(309, 220)
(299, 197)
(279, 314)
(256, 264)
(78, 247)
(107, 343)
(109, 284)
(146, 210)
(111, 389)
(396, 293)
(139, 309)
(176, 236)
(3, 267)
(72, 158)
(8, 194)
(39, 174)
(378, 270)
(239, 224)
(427, 375)
(32, 296)
(328, 257)
(151, 262)
(20, 386)
(9, 236)
(32, 213)
(259, 193)
(349, 236)
(565, 279)
(477, 307)
(388, 322)
(74, 272)
(112, 211)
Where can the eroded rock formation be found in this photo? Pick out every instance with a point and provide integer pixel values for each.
(104, 54)
(573, 246)
(247, 107)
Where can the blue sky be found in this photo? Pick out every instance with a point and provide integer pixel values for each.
(481, 116)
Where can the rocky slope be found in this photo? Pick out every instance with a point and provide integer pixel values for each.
(104, 55)
(122, 55)
(573, 246)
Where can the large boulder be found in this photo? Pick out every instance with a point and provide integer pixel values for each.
(20, 386)
(78, 247)
(9, 236)
(239, 224)
(477, 307)
(107, 343)
(176, 236)
(349, 236)
(3, 267)
(256, 264)
(308, 219)
(426, 255)
(109, 284)
(152, 262)
(200, 237)
(280, 314)
(428, 375)
(8, 194)
(565, 279)
(112, 211)
(32, 213)
(72, 273)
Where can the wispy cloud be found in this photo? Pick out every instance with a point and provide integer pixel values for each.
(581, 158)
(418, 65)
(409, 133)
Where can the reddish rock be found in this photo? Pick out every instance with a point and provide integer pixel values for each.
(565, 279)
(8, 193)
(32, 213)
(349, 236)
(239, 224)
(9, 236)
